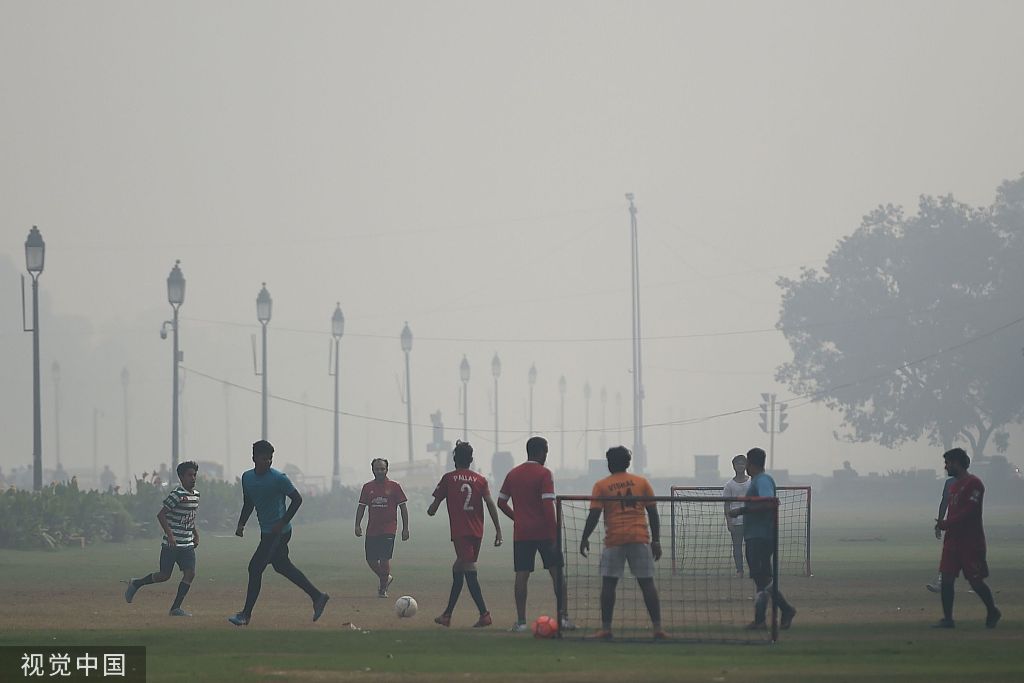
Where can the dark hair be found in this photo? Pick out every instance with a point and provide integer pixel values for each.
(619, 458)
(262, 447)
(187, 465)
(383, 460)
(536, 445)
(756, 456)
(462, 454)
(735, 458)
(958, 455)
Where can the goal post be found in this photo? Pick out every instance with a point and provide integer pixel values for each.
(701, 598)
(794, 525)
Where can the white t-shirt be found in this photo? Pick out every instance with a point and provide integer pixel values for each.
(735, 489)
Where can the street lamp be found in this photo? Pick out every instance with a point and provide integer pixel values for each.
(531, 377)
(127, 464)
(35, 256)
(175, 297)
(264, 304)
(337, 330)
(406, 348)
(464, 376)
(55, 371)
(496, 371)
(586, 424)
(561, 390)
(604, 422)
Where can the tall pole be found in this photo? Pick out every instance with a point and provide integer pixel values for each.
(175, 445)
(336, 472)
(55, 370)
(263, 402)
(464, 376)
(406, 339)
(496, 371)
(638, 386)
(227, 432)
(35, 256)
(771, 437)
(604, 421)
(532, 379)
(96, 446)
(127, 448)
(561, 391)
(586, 425)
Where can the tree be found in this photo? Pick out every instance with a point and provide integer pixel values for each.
(913, 328)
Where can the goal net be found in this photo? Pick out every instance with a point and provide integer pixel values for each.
(794, 528)
(701, 597)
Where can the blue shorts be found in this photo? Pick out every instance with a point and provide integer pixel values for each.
(185, 558)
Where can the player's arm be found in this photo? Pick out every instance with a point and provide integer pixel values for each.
(970, 507)
(404, 509)
(655, 521)
(247, 507)
(505, 507)
(293, 507)
(493, 512)
(195, 535)
(432, 510)
(360, 509)
(943, 504)
(166, 526)
(588, 528)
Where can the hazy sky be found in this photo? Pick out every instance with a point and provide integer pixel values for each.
(462, 166)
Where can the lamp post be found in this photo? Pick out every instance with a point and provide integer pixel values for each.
(604, 422)
(175, 297)
(406, 348)
(464, 376)
(531, 377)
(55, 371)
(337, 330)
(496, 371)
(127, 464)
(586, 425)
(35, 256)
(561, 390)
(264, 305)
(639, 450)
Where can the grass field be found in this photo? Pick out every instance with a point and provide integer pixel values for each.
(863, 616)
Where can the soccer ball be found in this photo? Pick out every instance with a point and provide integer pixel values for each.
(406, 606)
(545, 627)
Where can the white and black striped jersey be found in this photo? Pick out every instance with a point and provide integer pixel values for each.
(181, 505)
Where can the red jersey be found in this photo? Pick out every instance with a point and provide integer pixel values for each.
(963, 516)
(531, 489)
(464, 490)
(382, 500)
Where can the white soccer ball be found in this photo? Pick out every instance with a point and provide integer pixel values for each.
(406, 606)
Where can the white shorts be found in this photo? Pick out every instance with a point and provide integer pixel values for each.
(639, 555)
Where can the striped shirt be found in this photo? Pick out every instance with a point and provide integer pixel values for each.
(181, 505)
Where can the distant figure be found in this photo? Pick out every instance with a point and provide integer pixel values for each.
(177, 518)
(264, 489)
(759, 533)
(59, 474)
(466, 492)
(164, 475)
(736, 488)
(107, 479)
(384, 498)
(626, 538)
(531, 489)
(963, 548)
(936, 585)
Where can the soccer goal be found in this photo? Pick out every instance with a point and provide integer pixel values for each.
(794, 528)
(701, 600)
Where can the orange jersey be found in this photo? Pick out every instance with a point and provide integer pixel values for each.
(624, 521)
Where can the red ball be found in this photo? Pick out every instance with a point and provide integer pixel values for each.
(545, 627)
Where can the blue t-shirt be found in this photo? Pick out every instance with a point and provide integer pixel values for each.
(760, 524)
(267, 492)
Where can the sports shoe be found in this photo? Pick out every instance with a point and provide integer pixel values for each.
(936, 585)
(787, 619)
(756, 626)
(130, 591)
(565, 624)
(520, 627)
(993, 618)
(444, 620)
(319, 604)
(603, 634)
(178, 612)
(383, 591)
(239, 619)
(484, 620)
(945, 623)
(660, 635)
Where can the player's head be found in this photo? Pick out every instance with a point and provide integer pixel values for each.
(619, 458)
(379, 467)
(958, 458)
(187, 472)
(537, 449)
(755, 460)
(739, 463)
(462, 454)
(262, 455)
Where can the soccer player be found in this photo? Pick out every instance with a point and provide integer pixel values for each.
(759, 534)
(626, 538)
(264, 489)
(177, 517)
(531, 490)
(964, 545)
(384, 497)
(466, 492)
(936, 585)
(736, 488)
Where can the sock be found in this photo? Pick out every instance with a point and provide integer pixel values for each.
(456, 590)
(144, 581)
(474, 590)
(982, 590)
(182, 592)
(947, 599)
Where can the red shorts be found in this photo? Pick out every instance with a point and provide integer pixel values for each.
(467, 548)
(966, 557)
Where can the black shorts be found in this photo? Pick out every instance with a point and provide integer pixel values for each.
(759, 556)
(524, 553)
(380, 547)
(183, 557)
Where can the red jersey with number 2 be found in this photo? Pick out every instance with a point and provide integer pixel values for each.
(464, 491)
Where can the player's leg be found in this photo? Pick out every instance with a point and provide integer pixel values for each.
(641, 564)
(283, 565)
(949, 568)
(385, 551)
(608, 585)
(159, 576)
(736, 532)
(523, 559)
(975, 571)
(458, 578)
(758, 553)
(554, 563)
(471, 551)
(372, 557)
(257, 565)
(186, 560)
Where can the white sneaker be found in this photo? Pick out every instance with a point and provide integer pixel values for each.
(518, 627)
(566, 624)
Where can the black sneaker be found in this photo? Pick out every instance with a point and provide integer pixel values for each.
(993, 618)
(944, 623)
(319, 604)
(787, 619)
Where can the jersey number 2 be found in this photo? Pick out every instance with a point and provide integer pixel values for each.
(468, 490)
